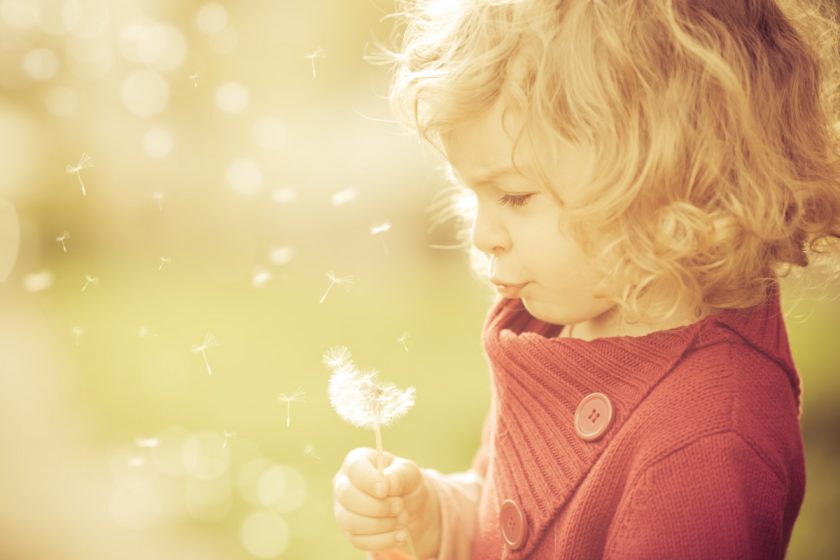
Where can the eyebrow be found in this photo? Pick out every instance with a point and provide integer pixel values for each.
(493, 174)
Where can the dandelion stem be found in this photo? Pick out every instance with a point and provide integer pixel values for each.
(206, 363)
(380, 466)
(323, 297)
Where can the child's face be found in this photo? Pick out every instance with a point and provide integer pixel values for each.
(519, 221)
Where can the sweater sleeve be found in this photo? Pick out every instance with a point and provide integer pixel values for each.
(715, 498)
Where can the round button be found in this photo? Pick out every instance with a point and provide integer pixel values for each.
(593, 416)
(512, 524)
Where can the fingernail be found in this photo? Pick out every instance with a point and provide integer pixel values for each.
(400, 536)
(396, 506)
(379, 488)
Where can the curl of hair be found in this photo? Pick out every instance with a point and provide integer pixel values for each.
(715, 128)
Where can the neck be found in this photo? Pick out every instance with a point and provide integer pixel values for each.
(611, 324)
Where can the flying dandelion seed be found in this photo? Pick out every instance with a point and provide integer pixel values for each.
(227, 436)
(261, 277)
(402, 338)
(147, 443)
(77, 331)
(208, 342)
(298, 396)
(317, 53)
(309, 450)
(144, 332)
(84, 163)
(379, 230)
(345, 282)
(362, 400)
(164, 261)
(62, 238)
(344, 196)
(90, 280)
(194, 77)
(158, 196)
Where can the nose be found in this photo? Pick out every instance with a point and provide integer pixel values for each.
(489, 234)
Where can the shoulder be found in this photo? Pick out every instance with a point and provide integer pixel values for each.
(726, 387)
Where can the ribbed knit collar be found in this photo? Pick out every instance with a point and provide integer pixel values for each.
(539, 380)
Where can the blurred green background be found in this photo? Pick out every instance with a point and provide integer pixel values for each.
(240, 152)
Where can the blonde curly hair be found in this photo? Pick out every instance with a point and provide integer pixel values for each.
(714, 124)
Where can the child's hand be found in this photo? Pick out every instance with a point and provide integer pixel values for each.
(375, 512)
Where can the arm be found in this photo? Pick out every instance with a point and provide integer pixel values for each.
(715, 498)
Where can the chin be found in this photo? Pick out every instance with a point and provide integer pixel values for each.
(545, 313)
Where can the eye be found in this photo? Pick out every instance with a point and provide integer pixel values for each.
(514, 199)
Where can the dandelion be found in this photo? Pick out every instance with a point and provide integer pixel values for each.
(77, 331)
(345, 282)
(194, 77)
(208, 342)
(147, 443)
(362, 400)
(379, 230)
(227, 436)
(158, 196)
(402, 338)
(89, 279)
(62, 238)
(317, 53)
(84, 162)
(298, 396)
(164, 261)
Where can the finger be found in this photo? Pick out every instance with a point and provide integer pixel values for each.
(360, 467)
(360, 525)
(382, 541)
(404, 477)
(361, 503)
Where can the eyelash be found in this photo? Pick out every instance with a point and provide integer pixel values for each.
(514, 200)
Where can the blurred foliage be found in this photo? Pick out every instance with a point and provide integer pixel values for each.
(210, 209)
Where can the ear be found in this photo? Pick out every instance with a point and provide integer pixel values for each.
(9, 238)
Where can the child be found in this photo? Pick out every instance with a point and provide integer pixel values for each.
(643, 171)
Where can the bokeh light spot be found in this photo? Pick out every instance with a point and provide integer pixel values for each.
(205, 456)
(264, 534)
(232, 97)
(211, 18)
(145, 93)
(158, 142)
(40, 64)
(244, 176)
(19, 14)
(270, 133)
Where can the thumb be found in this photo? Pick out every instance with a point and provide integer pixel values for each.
(403, 477)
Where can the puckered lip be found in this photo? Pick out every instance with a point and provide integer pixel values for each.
(507, 290)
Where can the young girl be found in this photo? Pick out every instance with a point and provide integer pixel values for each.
(642, 172)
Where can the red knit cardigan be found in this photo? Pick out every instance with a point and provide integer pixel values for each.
(702, 457)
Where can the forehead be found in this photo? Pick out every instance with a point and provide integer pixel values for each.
(480, 149)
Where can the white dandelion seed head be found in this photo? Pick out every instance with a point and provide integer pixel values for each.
(360, 399)
(336, 357)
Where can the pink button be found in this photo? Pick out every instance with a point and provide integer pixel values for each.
(593, 416)
(512, 524)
